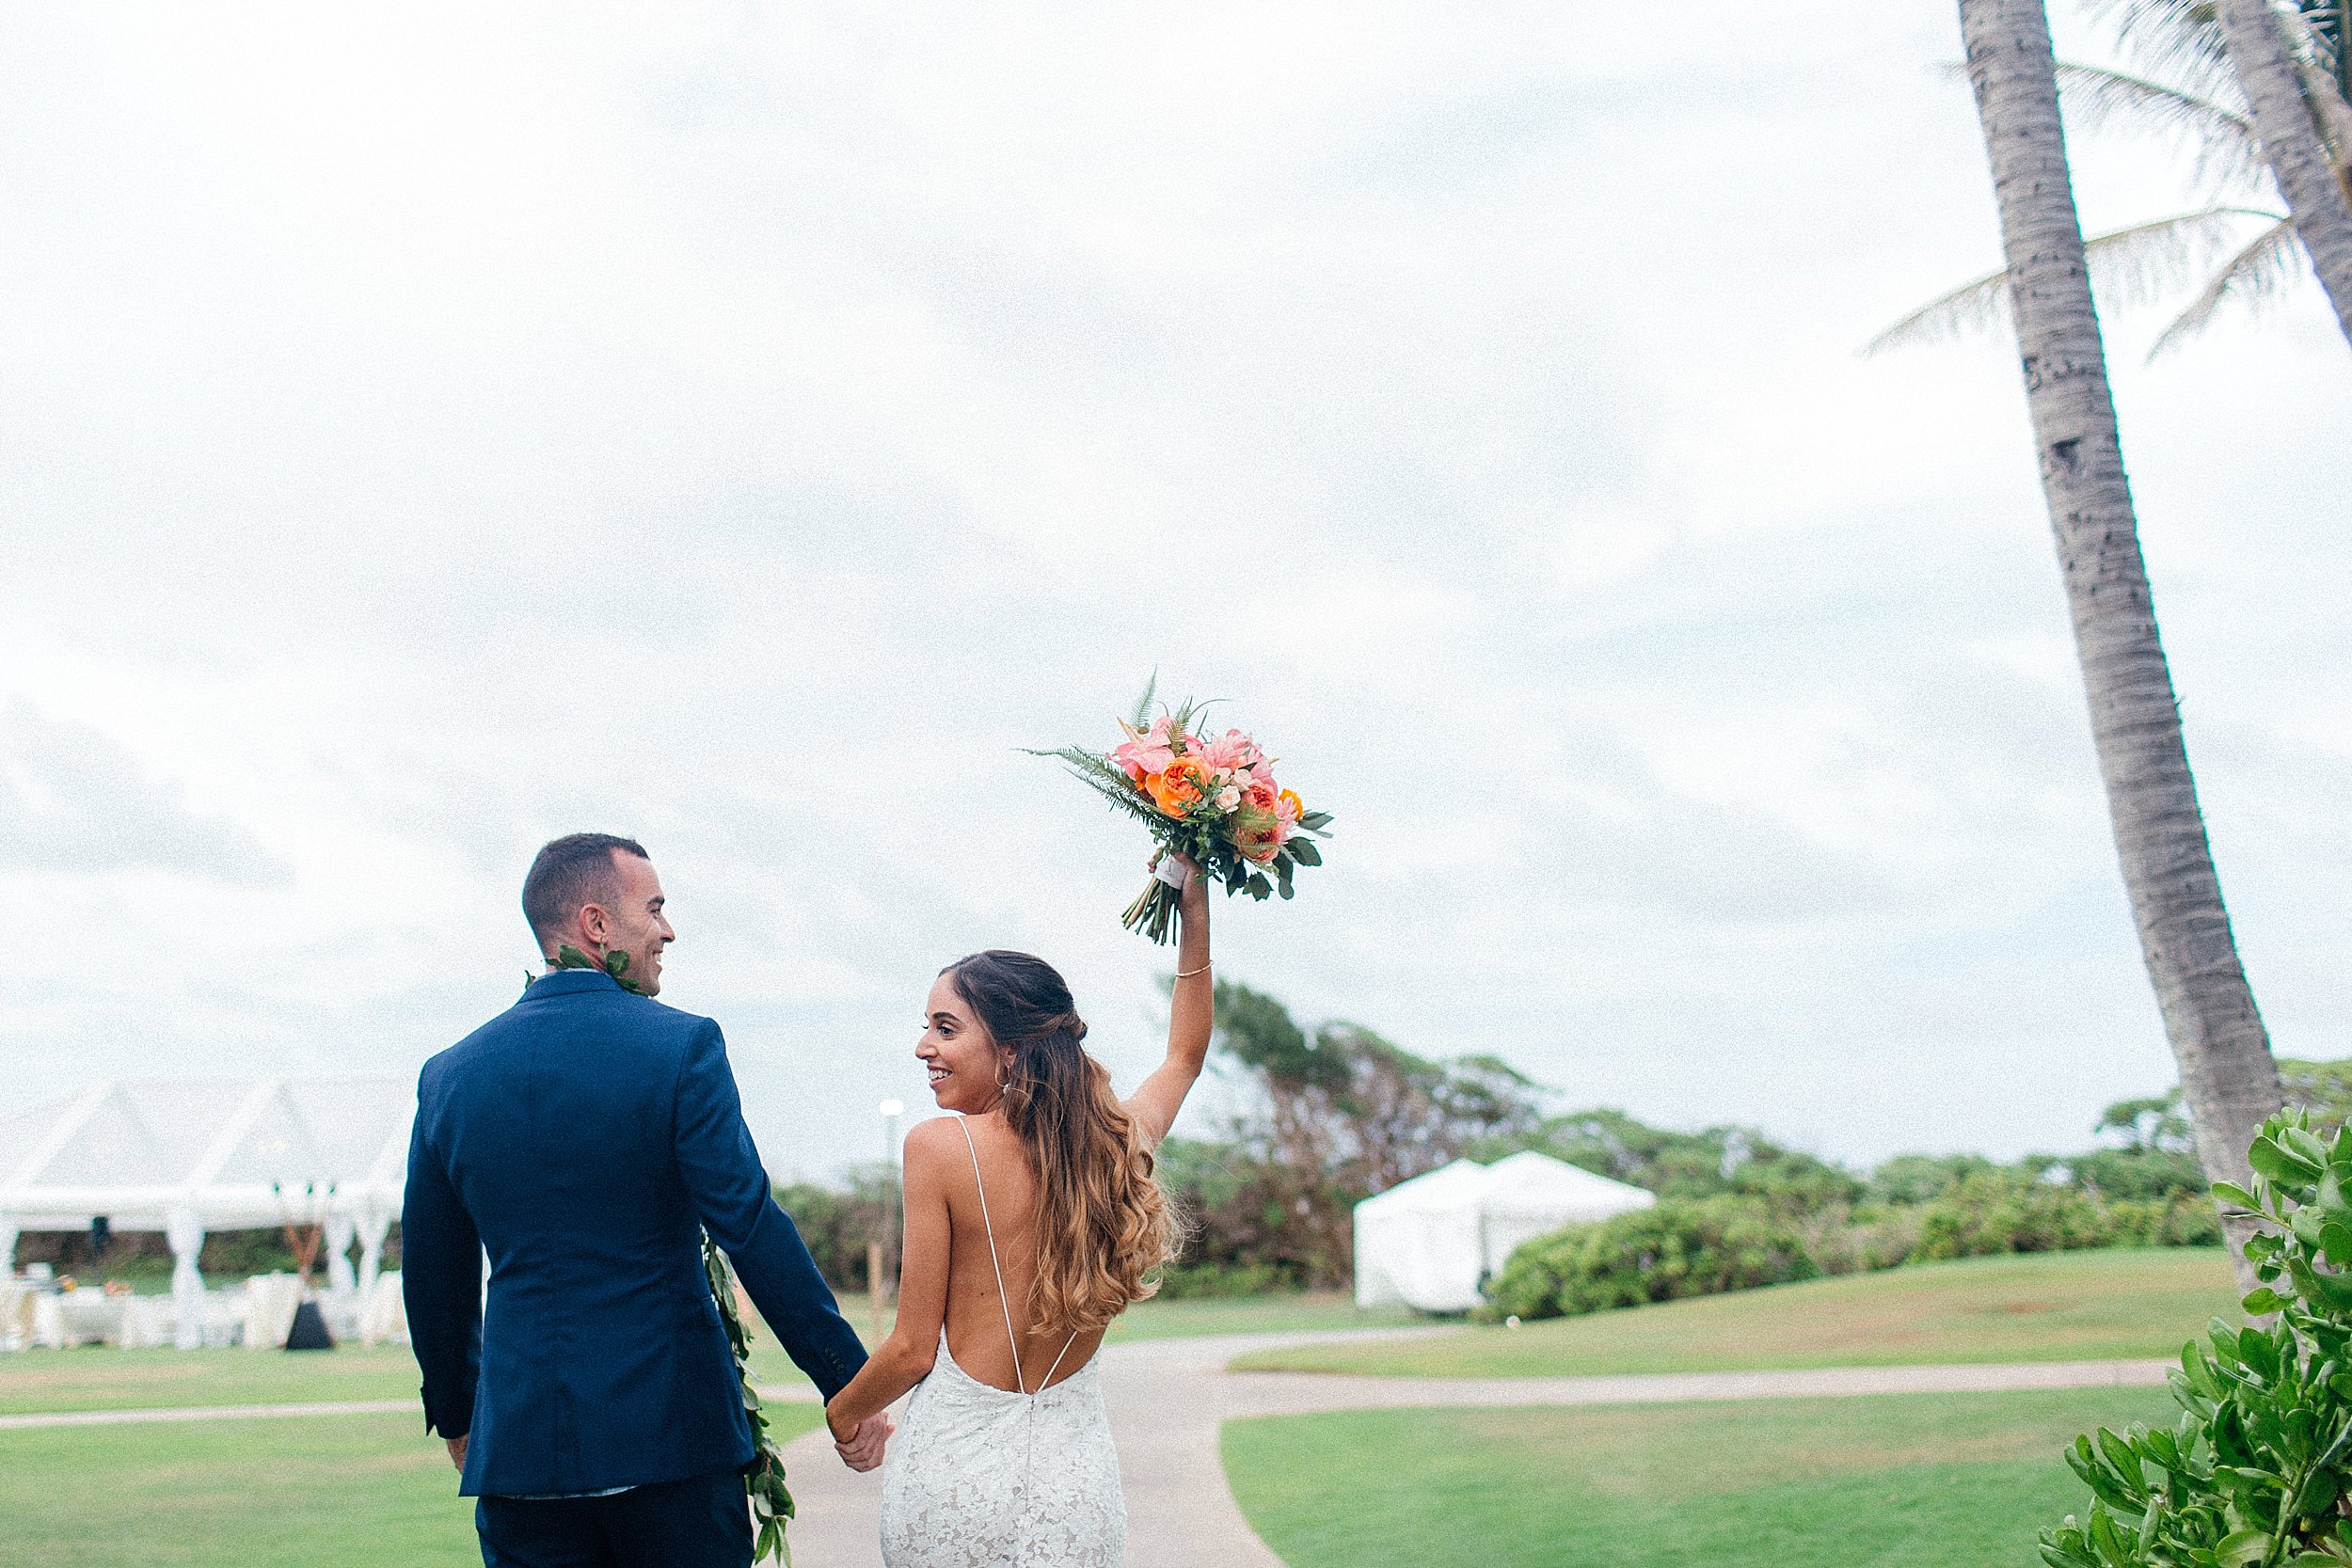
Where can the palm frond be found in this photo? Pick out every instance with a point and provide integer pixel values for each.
(2147, 263)
(2316, 62)
(2219, 136)
(2179, 40)
(2313, 48)
(2267, 266)
(1977, 306)
(2129, 267)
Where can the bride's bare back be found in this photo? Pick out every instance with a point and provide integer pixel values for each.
(976, 1314)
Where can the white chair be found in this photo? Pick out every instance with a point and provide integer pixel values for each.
(49, 1321)
(270, 1303)
(223, 1324)
(147, 1321)
(385, 1318)
(93, 1317)
(342, 1310)
(16, 1315)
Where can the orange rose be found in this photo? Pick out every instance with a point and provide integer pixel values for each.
(1176, 787)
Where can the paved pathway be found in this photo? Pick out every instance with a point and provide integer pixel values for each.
(1168, 1398)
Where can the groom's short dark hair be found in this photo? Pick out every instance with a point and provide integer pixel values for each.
(568, 872)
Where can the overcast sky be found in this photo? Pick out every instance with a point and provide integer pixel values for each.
(425, 430)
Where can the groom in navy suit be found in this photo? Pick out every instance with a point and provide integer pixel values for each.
(584, 1138)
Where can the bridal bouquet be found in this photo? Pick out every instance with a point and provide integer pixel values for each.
(1213, 798)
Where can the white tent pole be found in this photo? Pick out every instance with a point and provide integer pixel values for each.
(339, 1234)
(184, 1228)
(374, 1225)
(7, 1248)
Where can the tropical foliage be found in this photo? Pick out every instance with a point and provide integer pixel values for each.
(2234, 244)
(1670, 1250)
(2253, 1473)
(1325, 1118)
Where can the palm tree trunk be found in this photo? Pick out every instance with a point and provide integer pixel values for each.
(2292, 144)
(2227, 1075)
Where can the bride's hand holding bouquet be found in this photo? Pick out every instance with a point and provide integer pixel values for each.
(1210, 801)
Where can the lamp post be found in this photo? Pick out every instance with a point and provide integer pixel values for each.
(881, 1270)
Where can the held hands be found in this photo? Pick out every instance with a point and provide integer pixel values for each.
(862, 1449)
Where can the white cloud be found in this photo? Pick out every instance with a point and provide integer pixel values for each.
(426, 431)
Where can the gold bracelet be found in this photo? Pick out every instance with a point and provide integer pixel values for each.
(1188, 973)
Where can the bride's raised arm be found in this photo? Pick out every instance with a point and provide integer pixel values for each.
(1191, 1018)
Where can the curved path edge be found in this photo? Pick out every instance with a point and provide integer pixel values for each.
(1299, 1393)
(1170, 1400)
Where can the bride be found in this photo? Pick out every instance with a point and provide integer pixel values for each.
(1031, 1222)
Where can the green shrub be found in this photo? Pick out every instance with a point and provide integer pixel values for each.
(1670, 1250)
(2181, 1220)
(1857, 1241)
(1202, 1281)
(2008, 1211)
(2253, 1474)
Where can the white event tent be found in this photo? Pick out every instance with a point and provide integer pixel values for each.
(213, 1154)
(1430, 1243)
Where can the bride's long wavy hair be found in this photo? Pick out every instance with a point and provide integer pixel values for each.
(1103, 1229)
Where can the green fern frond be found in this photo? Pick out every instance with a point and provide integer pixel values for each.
(1142, 715)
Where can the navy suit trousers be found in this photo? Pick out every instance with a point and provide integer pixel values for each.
(701, 1522)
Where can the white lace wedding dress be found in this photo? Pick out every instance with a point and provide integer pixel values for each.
(980, 1477)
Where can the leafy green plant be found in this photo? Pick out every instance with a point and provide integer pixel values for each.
(2253, 1473)
(615, 964)
(772, 1499)
(2008, 1210)
(1670, 1250)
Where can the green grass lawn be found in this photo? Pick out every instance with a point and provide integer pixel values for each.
(1313, 1311)
(97, 1378)
(2047, 1306)
(1909, 1480)
(280, 1494)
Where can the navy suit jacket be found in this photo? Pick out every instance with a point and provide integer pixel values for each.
(583, 1139)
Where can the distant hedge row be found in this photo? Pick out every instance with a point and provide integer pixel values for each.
(1695, 1248)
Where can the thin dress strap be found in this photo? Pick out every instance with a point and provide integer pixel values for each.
(1002, 1300)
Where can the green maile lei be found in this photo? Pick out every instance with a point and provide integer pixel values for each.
(772, 1499)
